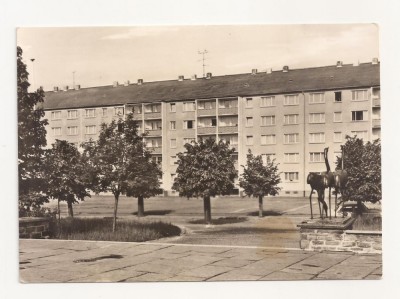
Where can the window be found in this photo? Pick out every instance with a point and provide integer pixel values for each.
(291, 119)
(72, 130)
(359, 115)
(104, 112)
(230, 121)
(153, 125)
(173, 175)
(227, 103)
(268, 120)
(249, 140)
(337, 116)
(317, 157)
(291, 157)
(291, 138)
(157, 159)
(249, 102)
(188, 124)
(268, 101)
(213, 122)
(72, 114)
(152, 108)
(119, 111)
(337, 137)
(153, 142)
(137, 109)
(359, 95)
(360, 134)
(205, 105)
(316, 137)
(291, 176)
(232, 139)
(56, 131)
(55, 115)
(172, 143)
(316, 118)
(292, 99)
(249, 121)
(188, 140)
(90, 130)
(268, 139)
(338, 96)
(316, 98)
(207, 122)
(90, 113)
(172, 125)
(173, 160)
(267, 158)
(189, 106)
(172, 107)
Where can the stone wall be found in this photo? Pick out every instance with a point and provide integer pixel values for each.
(341, 240)
(34, 228)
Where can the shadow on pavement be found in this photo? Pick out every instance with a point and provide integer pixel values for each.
(155, 212)
(265, 213)
(219, 221)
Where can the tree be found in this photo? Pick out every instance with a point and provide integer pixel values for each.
(115, 159)
(363, 165)
(144, 182)
(259, 180)
(31, 141)
(205, 170)
(66, 174)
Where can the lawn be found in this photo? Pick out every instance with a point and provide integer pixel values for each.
(100, 229)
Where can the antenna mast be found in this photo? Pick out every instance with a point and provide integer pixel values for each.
(73, 79)
(203, 53)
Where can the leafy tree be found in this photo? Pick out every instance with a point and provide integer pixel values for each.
(206, 169)
(66, 174)
(363, 165)
(116, 159)
(31, 140)
(259, 180)
(144, 182)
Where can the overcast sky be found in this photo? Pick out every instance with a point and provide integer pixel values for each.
(101, 55)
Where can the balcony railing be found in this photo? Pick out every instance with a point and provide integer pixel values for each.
(152, 115)
(376, 123)
(228, 111)
(206, 112)
(155, 150)
(376, 102)
(227, 130)
(206, 130)
(153, 132)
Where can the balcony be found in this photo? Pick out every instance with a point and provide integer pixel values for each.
(155, 150)
(206, 112)
(137, 116)
(153, 132)
(376, 123)
(376, 102)
(228, 130)
(206, 130)
(228, 111)
(152, 115)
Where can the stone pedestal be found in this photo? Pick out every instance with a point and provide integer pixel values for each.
(336, 235)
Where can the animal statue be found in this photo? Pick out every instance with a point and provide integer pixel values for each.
(329, 180)
(340, 179)
(316, 181)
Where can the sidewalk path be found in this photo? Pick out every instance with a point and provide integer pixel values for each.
(86, 261)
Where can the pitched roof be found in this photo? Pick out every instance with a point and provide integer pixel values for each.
(277, 82)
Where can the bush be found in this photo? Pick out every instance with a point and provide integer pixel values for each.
(37, 212)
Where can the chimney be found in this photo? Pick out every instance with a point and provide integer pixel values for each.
(77, 87)
(285, 69)
(55, 88)
(357, 63)
(339, 63)
(115, 83)
(127, 82)
(180, 78)
(65, 87)
(254, 71)
(375, 60)
(139, 81)
(209, 75)
(194, 77)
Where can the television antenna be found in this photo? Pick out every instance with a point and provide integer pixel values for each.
(203, 53)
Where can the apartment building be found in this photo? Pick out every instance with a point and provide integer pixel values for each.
(290, 115)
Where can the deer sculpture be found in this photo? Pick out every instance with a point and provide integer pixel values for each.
(329, 181)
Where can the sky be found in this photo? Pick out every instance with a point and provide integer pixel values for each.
(99, 56)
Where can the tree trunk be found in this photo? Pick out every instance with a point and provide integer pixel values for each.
(70, 209)
(59, 212)
(207, 209)
(115, 212)
(359, 207)
(140, 211)
(260, 206)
